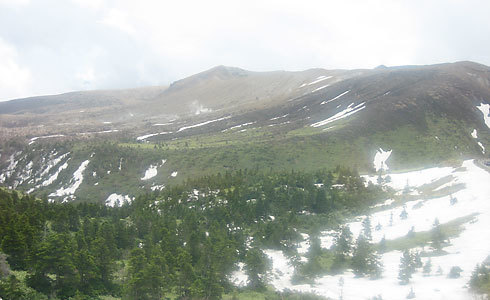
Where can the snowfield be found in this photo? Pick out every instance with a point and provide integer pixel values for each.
(470, 247)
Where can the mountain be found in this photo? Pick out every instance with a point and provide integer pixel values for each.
(232, 178)
(228, 118)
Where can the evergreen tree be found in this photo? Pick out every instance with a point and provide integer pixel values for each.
(365, 261)
(411, 294)
(256, 264)
(343, 248)
(406, 267)
(404, 214)
(135, 287)
(366, 228)
(427, 267)
(437, 235)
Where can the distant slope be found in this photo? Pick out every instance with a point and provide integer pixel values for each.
(228, 119)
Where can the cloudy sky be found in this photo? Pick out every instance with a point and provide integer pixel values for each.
(56, 46)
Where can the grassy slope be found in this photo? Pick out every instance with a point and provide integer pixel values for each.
(269, 148)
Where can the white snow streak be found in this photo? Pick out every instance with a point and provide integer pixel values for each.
(202, 124)
(53, 177)
(340, 115)
(32, 140)
(279, 117)
(319, 79)
(335, 98)
(320, 88)
(144, 137)
(241, 125)
(76, 181)
(482, 147)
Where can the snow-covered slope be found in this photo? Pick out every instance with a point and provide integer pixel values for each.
(471, 190)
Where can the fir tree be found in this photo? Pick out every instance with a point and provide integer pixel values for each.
(411, 294)
(366, 228)
(437, 236)
(365, 261)
(343, 247)
(256, 264)
(427, 267)
(404, 214)
(406, 267)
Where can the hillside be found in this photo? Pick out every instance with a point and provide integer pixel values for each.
(239, 184)
(229, 119)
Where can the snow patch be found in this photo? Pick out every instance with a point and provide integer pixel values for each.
(11, 167)
(482, 147)
(157, 187)
(319, 79)
(150, 172)
(202, 124)
(485, 109)
(32, 140)
(94, 132)
(239, 277)
(279, 117)
(144, 137)
(335, 98)
(340, 115)
(238, 126)
(380, 159)
(53, 177)
(474, 134)
(115, 200)
(76, 181)
(161, 124)
(320, 88)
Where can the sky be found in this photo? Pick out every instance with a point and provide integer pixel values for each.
(57, 46)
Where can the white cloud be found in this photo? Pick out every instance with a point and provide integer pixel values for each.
(150, 42)
(14, 2)
(119, 20)
(14, 79)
